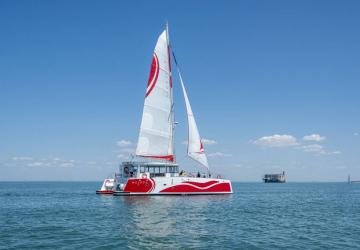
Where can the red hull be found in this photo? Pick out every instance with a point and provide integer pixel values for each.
(150, 186)
(104, 191)
(183, 188)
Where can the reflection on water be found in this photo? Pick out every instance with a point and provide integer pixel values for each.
(159, 217)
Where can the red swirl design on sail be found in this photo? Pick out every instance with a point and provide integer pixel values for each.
(154, 74)
(201, 147)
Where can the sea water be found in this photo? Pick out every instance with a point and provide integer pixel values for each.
(69, 215)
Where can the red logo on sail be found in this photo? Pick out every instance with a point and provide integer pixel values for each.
(154, 74)
(201, 147)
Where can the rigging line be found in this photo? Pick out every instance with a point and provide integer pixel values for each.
(172, 51)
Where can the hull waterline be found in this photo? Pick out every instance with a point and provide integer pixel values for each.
(121, 193)
(104, 192)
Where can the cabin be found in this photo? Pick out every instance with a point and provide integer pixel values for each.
(151, 169)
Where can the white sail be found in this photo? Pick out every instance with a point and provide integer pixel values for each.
(195, 146)
(156, 130)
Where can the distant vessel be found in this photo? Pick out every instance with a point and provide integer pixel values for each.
(352, 182)
(157, 173)
(274, 178)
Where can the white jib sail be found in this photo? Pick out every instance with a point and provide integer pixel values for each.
(156, 130)
(195, 146)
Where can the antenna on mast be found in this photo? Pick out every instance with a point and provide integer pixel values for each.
(167, 32)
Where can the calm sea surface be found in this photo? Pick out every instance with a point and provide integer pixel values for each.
(69, 215)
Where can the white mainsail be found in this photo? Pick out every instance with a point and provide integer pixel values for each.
(156, 130)
(195, 145)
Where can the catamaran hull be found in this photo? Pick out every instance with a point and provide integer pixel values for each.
(121, 193)
(107, 187)
(175, 186)
(104, 191)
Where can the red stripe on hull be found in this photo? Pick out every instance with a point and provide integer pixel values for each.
(139, 185)
(183, 188)
(201, 184)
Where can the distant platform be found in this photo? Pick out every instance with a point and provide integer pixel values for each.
(274, 178)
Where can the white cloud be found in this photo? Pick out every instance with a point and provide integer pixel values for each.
(335, 152)
(316, 148)
(35, 164)
(204, 140)
(121, 156)
(218, 154)
(291, 141)
(123, 143)
(57, 162)
(110, 163)
(239, 165)
(314, 137)
(22, 158)
(208, 141)
(127, 150)
(341, 167)
(276, 141)
(124, 153)
(356, 134)
(43, 162)
(67, 164)
(313, 148)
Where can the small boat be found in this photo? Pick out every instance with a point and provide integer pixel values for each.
(107, 187)
(155, 172)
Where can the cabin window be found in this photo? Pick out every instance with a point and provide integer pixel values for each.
(130, 170)
(171, 169)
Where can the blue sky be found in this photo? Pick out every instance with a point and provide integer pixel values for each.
(274, 85)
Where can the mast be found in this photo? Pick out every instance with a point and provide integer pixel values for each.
(172, 113)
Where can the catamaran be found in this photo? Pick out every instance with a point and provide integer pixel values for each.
(156, 173)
